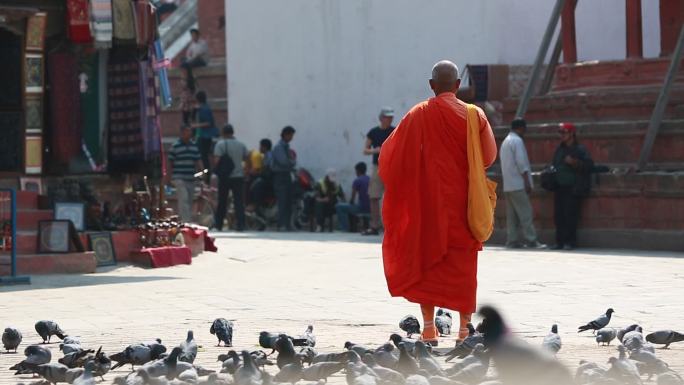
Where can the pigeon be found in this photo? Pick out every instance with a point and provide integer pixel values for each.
(648, 363)
(406, 365)
(11, 338)
(168, 367)
(87, 377)
(385, 356)
(472, 374)
(223, 329)
(188, 349)
(248, 373)
(417, 379)
(35, 355)
(465, 347)
(410, 325)
(624, 370)
(661, 337)
(71, 340)
(359, 349)
(267, 340)
(589, 372)
(231, 362)
(360, 374)
(307, 353)
(621, 333)
(386, 375)
(426, 361)
(76, 359)
(290, 373)
(286, 352)
(443, 322)
(322, 370)
(605, 336)
(409, 344)
(188, 376)
(308, 337)
(138, 354)
(438, 380)
(101, 364)
(261, 358)
(599, 323)
(552, 342)
(670, 378)
(53, 373)
(634, 340)
(69, 348)
(334, 357)
(47, 329)
(73, 374)
(516, 361)
(478, 355)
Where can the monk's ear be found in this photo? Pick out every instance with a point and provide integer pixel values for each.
(432, 84)
(458, 84)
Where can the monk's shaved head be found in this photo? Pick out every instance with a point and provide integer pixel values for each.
(445, 77)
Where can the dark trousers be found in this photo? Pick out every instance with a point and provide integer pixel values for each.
(189, 65)
(282, 186)
(324, 210)
(204, 146)
(236, 187)
(567, 207)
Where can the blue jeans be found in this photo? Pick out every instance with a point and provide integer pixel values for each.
(343, 212)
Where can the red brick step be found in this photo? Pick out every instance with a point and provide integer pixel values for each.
(68, 263)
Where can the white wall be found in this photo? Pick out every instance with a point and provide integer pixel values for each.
(327, 66)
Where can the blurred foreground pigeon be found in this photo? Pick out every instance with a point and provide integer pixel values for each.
(552, 342)
(661, 337)
(670, 378)
(589, 373)
(406, 365)
(465, 347)
(35, 355)
(599, 323)
(11, 338)
(87, 377)
(410, 325)
(248, 373)
(47, 329)
(517, 362)
(231, 362)
(605, 336)
(290, 373)
(138, 354)
(322, 370)
(385, 374)
(223, 329)
(443, 322)
(478, 355)
(386, 356)
(624, 370)
(426, 361)
(188, 349)
(286, 352)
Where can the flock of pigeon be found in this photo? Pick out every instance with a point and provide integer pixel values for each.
(489, 355)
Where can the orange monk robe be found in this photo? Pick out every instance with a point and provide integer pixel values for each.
(429, 254)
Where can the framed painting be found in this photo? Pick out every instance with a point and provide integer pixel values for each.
(33, 69)
(31, 184)
(54, 236)
(101, 244)
(34, 113)
(33, 160)
(74, 212)
(35, 32)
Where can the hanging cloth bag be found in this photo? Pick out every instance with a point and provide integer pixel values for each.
(481, 190)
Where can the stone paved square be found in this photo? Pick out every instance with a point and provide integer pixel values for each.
(282, 282)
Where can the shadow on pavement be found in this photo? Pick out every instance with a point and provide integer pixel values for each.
(39, 282)
(303, 236)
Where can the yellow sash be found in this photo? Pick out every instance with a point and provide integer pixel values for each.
(481, 190)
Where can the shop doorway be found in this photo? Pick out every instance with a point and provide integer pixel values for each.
(11, 102)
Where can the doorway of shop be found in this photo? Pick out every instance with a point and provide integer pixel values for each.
(11, 101)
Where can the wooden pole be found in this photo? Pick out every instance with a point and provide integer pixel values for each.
(635, 43)
(568, 32)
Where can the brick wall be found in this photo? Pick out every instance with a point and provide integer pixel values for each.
(211, 15)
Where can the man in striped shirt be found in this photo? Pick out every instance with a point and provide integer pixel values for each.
(184, 157)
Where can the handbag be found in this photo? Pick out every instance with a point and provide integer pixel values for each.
(225, 164)
(548, 179)
(481, 190)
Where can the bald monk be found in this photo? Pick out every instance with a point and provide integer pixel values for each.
(429, 254)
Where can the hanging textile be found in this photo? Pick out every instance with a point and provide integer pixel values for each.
(124, 21)
(145, 23)
(101, 22)
(126, 149)
(90, 101)
(161, 64)
(78, 21)
(65, 108)
(149, 110)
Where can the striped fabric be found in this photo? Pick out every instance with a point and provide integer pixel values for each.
(184, 157)
(101, 22)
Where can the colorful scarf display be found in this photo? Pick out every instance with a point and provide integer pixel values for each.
(101, 22)
(124, 21)
(78, 21)
(149, 109)
(126, 147)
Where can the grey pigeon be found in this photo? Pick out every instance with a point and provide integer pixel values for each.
(359, 349)
(138, 354)
(552, 342)
(443, 322)
(621, 333)
(76, 359)
(605, 336)
(465, 347)
(670, 378)
(322, 370)
(286, 352)
(261, 358)
(223, 329)
(426, 361)
(517, 362)
(290, 373)
(360, 374)
(71, 340)
(409, 344)
(410, 325)
(231, 362)
(73, 374)
(11, 338)
(439, 380)
(267, 340)
(35, 355)
(333, 357)
(47, 329)
(87, 377)
(623, 369)
(188, 376)
(417, 379)
(478, 355)
(248, 373)
(648, 363)
(307, 353)
(168, 367)
(634, 340)
(599, 323)
(386, 356)
(386, 375)
(101, 364)
(406, 365)
(665, 337)
(308, 337)
(589, 372)
(188, 349)
(53, 373)
(472, 374)
(70, 348)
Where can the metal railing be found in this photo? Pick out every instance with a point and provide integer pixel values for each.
(8, 219)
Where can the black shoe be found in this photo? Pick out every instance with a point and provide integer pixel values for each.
(557, 247)
(569, 247)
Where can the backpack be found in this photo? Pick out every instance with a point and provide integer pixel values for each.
(225, 164)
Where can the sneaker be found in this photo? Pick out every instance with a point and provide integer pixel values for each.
(536, 245)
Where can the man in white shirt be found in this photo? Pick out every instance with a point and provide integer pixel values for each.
(515, 168)
(197, 55)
